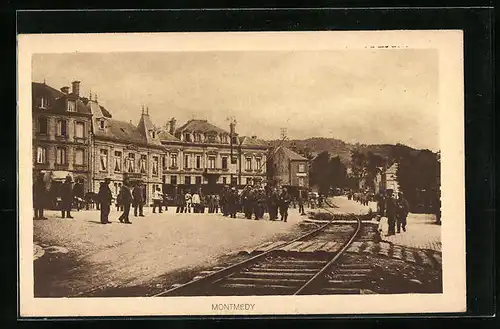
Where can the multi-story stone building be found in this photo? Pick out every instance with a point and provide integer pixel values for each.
(201, 154)
(122, 151)
(288, 169)
(61, 134)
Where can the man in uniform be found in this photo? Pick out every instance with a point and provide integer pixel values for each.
(232, 202)
(272, 203)
(284, 203)
(224, 193)
(391, 211)
(247, 199)
(39, 196)
(105, 198)
(66, 197)
(259, 203)
(404, 208)
(138, 201)
(125, 200)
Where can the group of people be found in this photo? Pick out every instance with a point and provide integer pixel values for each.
(395, 210)
(253, 201)
(130, 195)
(71, 194)
(362, 197)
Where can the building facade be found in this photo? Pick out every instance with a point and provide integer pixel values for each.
(390, 179)
(202, 155)
(122, 151)
(289, 169)
(61, 135)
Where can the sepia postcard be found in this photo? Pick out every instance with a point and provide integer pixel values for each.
(262, 173)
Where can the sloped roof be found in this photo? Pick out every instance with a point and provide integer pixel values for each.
(290, 154)
(202, 126)
(166, 136)
(253, 142)
(121, 131)
(40, 88)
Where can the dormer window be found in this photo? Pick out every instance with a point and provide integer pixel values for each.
(101, 123)
(152, 134)
(224, 139)
(197, 138)
(71, 106)
(187, 137)
(44, 103)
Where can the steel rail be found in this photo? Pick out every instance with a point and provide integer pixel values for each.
(325, 268)
(232, 268)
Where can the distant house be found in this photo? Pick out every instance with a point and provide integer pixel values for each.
(391, 182)
(288, 168)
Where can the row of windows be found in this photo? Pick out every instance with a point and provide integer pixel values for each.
(61, 156)
(209, 138)
(197, 180)
(44, 103)
(129, 162)
(61, 127)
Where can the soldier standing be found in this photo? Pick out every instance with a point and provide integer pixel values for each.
(272, 203)
(260, 203)
(105, 198)
(180, 200)
(125, 200)
(224, 194)
(138, 202)
(391, 213)
(247, 200)
(284, 203)
(232, 202)
(301, 203)
(39, 196)
(66, 197)
(403, 212)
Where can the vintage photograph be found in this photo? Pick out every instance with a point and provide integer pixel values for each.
(236, 172)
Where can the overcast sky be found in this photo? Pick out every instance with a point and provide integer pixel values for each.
(365, 96)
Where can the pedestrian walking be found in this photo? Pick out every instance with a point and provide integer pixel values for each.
(157, 200)
(66, 198)
(39, 196)
(284, 203)
(105, 198)
(125, 197)
(300, 201)
(391, 211)
(404, 209)
(138, 200)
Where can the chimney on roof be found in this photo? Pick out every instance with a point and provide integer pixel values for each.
(65, 90)
(254, 137)
(232, 127)
(171, 126)
(76, 88)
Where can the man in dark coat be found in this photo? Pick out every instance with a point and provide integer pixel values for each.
(105, 198)
(39, 196)
(391, 210)
(180, 201)
(272, 203)
(223, 196)
(232, 202)
(247, 198)
(66, 197)
(404, 209)
(259, 203)
(125, 200)
(284, 203)
(138, 200)
(300, 200)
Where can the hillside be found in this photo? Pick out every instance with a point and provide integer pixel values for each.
(313, 146)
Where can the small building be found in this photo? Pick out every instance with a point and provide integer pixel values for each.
(289, 169)
(390, 178)
(61, 135)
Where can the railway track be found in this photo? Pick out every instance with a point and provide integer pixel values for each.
(305, 265)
